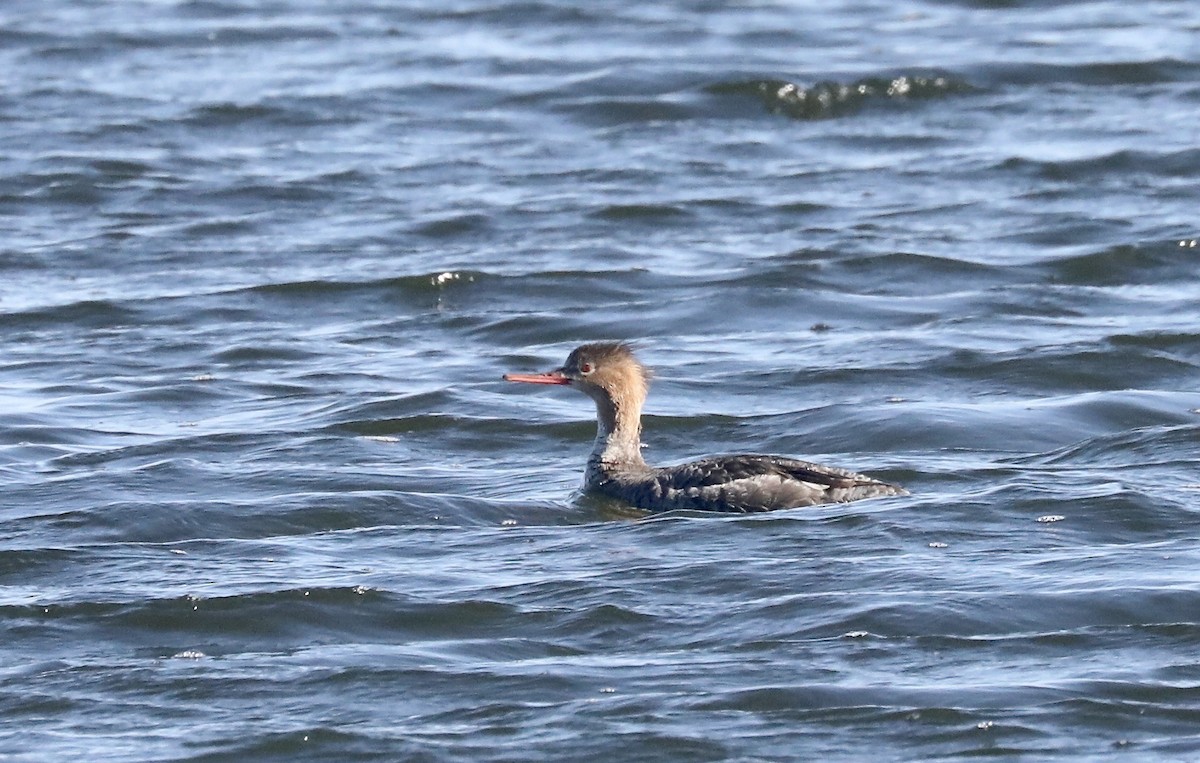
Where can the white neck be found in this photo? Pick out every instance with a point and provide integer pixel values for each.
(618, 434)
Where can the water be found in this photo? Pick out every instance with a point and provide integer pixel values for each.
(266, 498)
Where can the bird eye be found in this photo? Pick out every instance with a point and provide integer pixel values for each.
(585, 368)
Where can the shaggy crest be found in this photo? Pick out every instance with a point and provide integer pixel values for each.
(611, 365)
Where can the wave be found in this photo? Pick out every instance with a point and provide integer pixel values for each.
(830, 99)
(1093, 73)
(1154, 262)
(1121, 164)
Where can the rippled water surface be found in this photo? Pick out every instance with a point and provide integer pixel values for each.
(265, 497)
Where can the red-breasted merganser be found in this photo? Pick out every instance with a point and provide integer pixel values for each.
(609, 373)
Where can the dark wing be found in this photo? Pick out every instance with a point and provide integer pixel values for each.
(724, 469)
(761, 483)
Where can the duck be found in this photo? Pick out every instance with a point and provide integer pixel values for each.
(613, 377)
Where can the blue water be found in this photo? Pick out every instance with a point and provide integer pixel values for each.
(263, 495)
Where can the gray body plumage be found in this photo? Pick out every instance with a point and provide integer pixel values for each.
(611, 375)
(740, 484)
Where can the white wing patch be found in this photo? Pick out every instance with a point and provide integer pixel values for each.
(760, 492)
